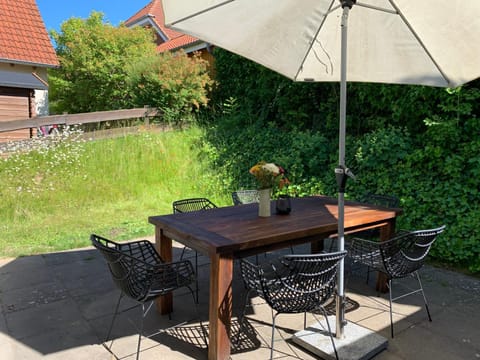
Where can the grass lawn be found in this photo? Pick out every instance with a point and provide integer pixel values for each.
(55, 195)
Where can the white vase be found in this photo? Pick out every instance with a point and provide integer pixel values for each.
(264, 202)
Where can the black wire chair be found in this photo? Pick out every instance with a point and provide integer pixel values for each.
(389, 201)
(190, 205)
(293, 284)
(141, 274)
(397, 258)
(240, 197)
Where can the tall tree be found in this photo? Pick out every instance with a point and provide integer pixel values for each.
(106, 68)
(95, 57)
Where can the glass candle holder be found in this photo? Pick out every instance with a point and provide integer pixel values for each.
(283, 205)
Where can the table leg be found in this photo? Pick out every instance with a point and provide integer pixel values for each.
(163, 245)
(386, 233)
(220, 312)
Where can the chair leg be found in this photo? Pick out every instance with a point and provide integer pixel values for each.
(140, 330)
(273, 335)
(368, 274)
(197, 314)
(113, 320)
(420, 289)
(247, 295)
(390, 299)
(423, 294)
(242, 315)
(196, 278)
(196, 271)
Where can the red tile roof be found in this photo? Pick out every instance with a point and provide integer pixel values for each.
(177, 43)
(154, 11)
(23, 36)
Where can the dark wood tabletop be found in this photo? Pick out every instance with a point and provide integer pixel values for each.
(238, 229)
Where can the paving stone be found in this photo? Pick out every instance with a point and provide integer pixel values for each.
(71, 256)
(44, 318)
(32, 296)
(84, 268)
(90, 284)
(76, 335)
(24, 272)
(57, 306)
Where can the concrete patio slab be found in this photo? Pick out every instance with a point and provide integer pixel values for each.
(59, 306)
(358, 343)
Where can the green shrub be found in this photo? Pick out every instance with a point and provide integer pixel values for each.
(435, 174)
(234, 148)
(436, 178)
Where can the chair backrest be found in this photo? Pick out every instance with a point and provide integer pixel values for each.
(302, 282)
(390, 201)
(192, 204)
(406, 253)
(129, 263)
(245, 197)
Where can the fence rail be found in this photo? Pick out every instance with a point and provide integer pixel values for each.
(75, 119)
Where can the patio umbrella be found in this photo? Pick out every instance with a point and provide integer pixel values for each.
(428, 42)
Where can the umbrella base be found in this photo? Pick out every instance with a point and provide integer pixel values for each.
(359, 343)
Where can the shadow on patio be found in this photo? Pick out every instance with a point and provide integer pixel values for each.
(59, 306)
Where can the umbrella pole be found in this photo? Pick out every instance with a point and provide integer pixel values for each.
(341, 173)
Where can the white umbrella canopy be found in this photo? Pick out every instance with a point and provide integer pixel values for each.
(428, 42)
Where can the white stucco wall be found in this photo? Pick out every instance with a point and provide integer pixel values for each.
(41, 102)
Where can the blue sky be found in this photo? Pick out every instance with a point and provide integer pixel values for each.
(54, 12)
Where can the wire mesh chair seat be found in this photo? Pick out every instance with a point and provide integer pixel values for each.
(240, 197)
(293, 284)
(141, 274)
(399, 257)
(191, 205)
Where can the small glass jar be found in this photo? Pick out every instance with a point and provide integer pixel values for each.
(283, 205)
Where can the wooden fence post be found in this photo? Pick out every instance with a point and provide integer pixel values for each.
(146, 117)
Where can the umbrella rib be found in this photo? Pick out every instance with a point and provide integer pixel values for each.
(399, 13)
(329, 10)
(395, 12)
(199, 13)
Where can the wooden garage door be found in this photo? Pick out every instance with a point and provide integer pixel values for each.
(14, 104)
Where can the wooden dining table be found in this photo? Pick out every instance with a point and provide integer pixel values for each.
(226, 233)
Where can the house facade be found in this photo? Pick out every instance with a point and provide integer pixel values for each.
(152, 16)
(25, 55)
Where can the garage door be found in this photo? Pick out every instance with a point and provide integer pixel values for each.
(14, 104)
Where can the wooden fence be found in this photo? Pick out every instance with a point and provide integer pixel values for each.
(76, 119)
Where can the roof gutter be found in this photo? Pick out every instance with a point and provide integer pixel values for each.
(28, 63)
